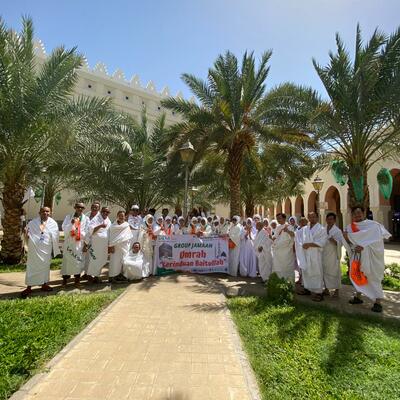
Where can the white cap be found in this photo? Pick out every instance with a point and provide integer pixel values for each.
(135, 207)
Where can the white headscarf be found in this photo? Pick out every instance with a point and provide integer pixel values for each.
(237, 218)
(146, 219)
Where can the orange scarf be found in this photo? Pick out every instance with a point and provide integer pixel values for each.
(357, 276)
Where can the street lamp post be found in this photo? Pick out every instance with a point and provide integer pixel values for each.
(193, 190)
(187, 152)
(318, 183)
(43, 171)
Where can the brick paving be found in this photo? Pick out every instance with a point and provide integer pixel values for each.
(165, 338)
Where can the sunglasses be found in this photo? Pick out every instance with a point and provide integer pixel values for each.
(80, 208)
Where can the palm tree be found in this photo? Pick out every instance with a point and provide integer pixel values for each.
(226, 121)
(36, 107)
(359, 123)
(131, 169)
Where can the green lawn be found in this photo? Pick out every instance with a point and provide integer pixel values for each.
(303, 352)
(32, 331)
(55, 264)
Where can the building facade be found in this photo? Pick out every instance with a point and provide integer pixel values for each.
(334, 198)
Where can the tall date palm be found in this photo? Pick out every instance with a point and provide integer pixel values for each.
(226, 120)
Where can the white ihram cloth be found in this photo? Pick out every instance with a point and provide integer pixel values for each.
(73, 260)
(42, 242)
(310, 260)
(98, 247)
(331, 256)
(135, 222)
(282, 253)
(264, 256)
(234, 235)
(120, 236)
(86, 257)
(247, 259)
(370, 237)
(135, 266)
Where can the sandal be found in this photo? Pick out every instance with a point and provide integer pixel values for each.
(46, 288)
(377, 307)
(25, 293)
(356, 300)
(317, 297)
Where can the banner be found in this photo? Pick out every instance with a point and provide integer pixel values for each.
(191, 254)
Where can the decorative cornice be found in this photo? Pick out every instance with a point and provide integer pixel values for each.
(100, 69)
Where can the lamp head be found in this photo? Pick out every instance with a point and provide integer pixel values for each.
(187, 152)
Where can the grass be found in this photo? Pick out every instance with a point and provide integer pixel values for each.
(55, 264)
(389, 282)
(32, 331)
(304, 352)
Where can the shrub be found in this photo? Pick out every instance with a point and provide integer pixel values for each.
(279, 290)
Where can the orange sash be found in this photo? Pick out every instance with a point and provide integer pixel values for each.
(76, 229)
(231, 244)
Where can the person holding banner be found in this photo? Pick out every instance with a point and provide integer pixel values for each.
(169, 227)
(262, 245)
(180, 228)
(248, 259)
(225, 225)
(234, 245)
(205, 228)
(367, 261)
(193, 227)
(75, 227)
(120, 236)
(43, 236)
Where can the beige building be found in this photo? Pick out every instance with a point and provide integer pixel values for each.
(333, 197)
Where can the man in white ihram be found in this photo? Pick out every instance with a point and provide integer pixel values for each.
(366, 240)
(43, 241)
(98, 250)
(313, 238)
(75, 227)
(282, 249)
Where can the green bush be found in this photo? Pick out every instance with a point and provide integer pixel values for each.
(279, 290)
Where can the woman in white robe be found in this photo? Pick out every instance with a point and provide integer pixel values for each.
(262, 246)
(43, 243)
(120, 235)
(366, 240)
(204, 229)
(282, 249)
(234, 245)
(147, 240)
(180, 228)
(98, 248)
(248, 259)
(135, 266)
(75, 227)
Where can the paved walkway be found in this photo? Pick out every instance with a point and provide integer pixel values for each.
(166, 338)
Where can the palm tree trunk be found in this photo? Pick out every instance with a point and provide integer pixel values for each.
(249, 208)
(235, 165)
(11, 244)
(352, 201)
(49, 194)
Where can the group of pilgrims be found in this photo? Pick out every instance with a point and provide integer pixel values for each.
(302, 250)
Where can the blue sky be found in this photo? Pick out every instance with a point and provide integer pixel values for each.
(160, 39)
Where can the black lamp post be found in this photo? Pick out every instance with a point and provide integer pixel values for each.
(187, 153)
